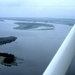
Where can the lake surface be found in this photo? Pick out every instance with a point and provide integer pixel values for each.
(36, 47)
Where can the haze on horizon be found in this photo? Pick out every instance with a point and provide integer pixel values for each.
(37, 8)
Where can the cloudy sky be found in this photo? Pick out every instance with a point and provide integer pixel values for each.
(37, 8)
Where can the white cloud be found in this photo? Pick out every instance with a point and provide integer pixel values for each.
(39, 3)
(5, 3)
(39, 8)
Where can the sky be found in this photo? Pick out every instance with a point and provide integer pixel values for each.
(38, 8)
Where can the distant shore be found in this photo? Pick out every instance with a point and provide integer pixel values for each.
(33, 25)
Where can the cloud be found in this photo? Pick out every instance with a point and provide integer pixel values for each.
(7, 3)
(39, 8)
(38, 3)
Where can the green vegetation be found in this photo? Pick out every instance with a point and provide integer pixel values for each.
(4, 40)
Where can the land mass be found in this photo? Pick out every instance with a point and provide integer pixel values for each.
(4, 40)
(25, 26)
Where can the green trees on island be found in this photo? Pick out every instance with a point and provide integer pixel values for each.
(4, 40)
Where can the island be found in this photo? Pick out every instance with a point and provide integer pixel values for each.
(34, 25)
(4, 40)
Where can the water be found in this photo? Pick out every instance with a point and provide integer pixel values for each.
(35, 47)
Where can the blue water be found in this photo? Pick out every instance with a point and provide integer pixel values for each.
(35, 47)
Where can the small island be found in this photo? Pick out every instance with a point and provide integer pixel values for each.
(33, 25)
(7, 59)
(4, 40)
